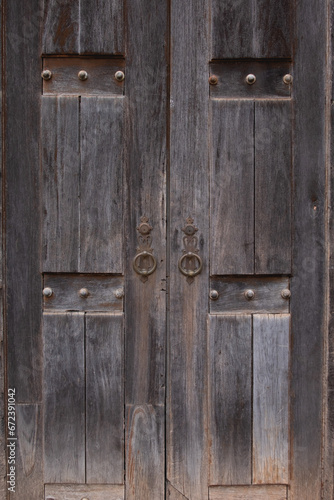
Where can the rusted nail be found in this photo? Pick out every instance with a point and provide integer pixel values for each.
(47, 292)
(250, 79)
(84, 293)
(213, 80)
(249, 294)
(46, 74)
(82, 75)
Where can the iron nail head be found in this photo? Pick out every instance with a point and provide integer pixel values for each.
(249, 294)
(250, 79)
(119, 293)
(84, 293)
(82, 75)
(214, 294)
(286, 293)
(119, 75)
(213, 80)
(46, 74)
(287, 79)
(47, 292)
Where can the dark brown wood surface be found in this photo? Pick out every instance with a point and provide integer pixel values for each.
(230, 403)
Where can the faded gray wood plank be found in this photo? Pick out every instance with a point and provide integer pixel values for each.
(309, 284)
(61, 27)
(232, 188)
(267, 295)
(64, 398)
(271, 335)
(101, 27)
(230, 405)
(145, 195)
(22, 199)
(273, 170)
(248, 493)
(252, 28)
(187, 426)
(29, 461)
(61, 188)
(104, 399)
(103, 292)
(101, 208)
(78, 491)
(101, 76)
(145, 460)
(173, 493)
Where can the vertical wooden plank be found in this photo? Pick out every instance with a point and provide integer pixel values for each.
(252, 28)
(60, 33)
(61, 188)
(101, 27)
(64, 398)
(187, 443)
(174, 494)
(101, 207)
(230, 403)
(22, 200)
(309, 281)
(29, 459)
(271, 334)
(104, 399)
(273, 187)
(145, 461)
(232, 187)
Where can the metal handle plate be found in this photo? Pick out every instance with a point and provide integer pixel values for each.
(140, 270)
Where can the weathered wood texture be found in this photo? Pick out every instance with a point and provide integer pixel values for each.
(3, 485)
(271, 349)
(83, 26)
(248, 493)
(174, 494)
(101, 75)
(104, 399)
(21, 133)
(29, 459)
(232, 299)
(64, 398)
(145, 459)
(252, 28)
(309, 281)
(232, 187)
(82, 184)
(79, 491)
(273, 153)
(230, 402)
(102, 292)
(232, 79)
(187, 444)
(145, 306)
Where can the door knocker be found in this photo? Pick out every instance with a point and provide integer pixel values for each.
(144, 262)
(190, 264)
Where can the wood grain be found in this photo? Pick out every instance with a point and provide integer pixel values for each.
(173, 493)
(230, 389)
(66, 288)
(101, 180)
(267, 295)
(64, 398)
(248, 493)
(104, 399)
(101, 27)
(271, 399)
(60, 27)
(255, 28)
(77, 492)
(145, 461)
(61, 188)
(232, 173)
(273, 167)
(187, 443)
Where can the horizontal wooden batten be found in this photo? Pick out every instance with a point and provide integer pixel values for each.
(277, 492)
(79, 491)
(100, 75)
(232, 295)
(104, 292)
(232, 81)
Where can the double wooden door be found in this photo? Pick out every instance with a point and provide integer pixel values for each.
(165, 233)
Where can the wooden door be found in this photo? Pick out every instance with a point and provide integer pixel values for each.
(165, 216)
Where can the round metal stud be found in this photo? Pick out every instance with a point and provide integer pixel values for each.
(82, 75)
(214, 294)
(119, 293)
(46, 74)
(286, 293)
(119, 75)
(84, 293)
(47, 292)
(249, 294)
(287, 79)
(213, 80)
(85, 498)
(250, 79)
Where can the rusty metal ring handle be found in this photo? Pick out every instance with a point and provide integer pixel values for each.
(144, 272)
(187, 272)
